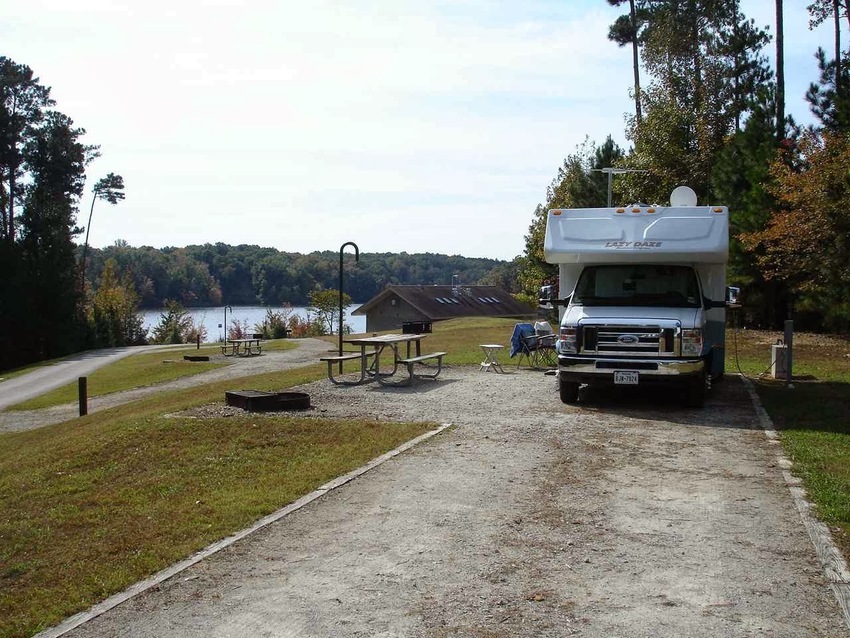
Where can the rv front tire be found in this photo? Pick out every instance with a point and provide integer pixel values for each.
(697, 392)
(568, 391)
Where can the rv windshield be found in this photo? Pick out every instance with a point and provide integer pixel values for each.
(638, 285)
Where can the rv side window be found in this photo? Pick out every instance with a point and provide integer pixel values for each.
(638, 285)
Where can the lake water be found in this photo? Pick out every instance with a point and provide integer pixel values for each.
(213, 318)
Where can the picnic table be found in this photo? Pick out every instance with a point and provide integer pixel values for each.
(242, 347)
(373, 347)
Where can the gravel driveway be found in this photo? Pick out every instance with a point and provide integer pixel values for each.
(619, 517)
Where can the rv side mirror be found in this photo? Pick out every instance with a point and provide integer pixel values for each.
(733, 295)
(545, 296)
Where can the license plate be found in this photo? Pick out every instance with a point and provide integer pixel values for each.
(624, 377)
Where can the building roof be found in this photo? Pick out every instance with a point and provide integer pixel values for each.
(447, 302)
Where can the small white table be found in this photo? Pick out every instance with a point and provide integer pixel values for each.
(490, 361)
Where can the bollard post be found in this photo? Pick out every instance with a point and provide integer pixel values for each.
(82, 392)
(789, 350)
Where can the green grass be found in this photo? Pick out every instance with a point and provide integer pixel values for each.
(138, 371)
(93, 505)
(461, 339)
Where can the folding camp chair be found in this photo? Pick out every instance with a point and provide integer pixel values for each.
(546, 355)
(537, 350)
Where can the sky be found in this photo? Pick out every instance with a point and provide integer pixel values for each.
(429, 126)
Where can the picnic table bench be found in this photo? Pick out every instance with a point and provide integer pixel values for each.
(242, 347)
(348, 356)
(373, 347)
(421, 359)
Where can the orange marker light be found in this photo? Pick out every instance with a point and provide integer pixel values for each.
(621, 210)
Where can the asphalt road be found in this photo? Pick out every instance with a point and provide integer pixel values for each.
(44, 379)
(55, 375)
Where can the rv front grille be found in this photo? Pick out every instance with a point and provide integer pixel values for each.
(628, 340)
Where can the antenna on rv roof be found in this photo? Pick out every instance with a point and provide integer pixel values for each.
(683, 196)
(611, 171)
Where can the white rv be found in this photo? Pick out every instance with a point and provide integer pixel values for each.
(642, 295)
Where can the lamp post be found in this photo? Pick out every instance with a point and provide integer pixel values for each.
(356, 258)
(611, 172)
(225, 322)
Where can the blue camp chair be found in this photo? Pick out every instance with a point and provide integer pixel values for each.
(537, 349)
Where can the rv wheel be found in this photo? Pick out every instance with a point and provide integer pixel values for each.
(569, 391)
(698, 391)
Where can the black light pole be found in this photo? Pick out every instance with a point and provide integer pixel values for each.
(356, 258)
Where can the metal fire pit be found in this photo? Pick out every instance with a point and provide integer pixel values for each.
(257, 401)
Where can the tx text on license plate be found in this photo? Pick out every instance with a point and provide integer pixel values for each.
(625, 377)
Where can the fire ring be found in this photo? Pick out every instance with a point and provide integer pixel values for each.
(257, 401)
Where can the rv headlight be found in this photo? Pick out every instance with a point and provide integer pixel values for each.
(691, 343)
(567, 342)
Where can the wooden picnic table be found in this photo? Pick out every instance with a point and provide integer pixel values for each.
(374, 347)
(242, 347)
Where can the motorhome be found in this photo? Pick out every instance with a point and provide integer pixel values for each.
(641, 295)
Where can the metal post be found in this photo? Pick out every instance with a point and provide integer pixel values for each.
(789, 349)
(611, 171)
(82, 395)
(225, 323)
(356, 258)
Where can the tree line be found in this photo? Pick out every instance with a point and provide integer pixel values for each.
(217, 274)
(709, 112)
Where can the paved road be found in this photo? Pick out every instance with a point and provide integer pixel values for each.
(55, 375)
(68, 371)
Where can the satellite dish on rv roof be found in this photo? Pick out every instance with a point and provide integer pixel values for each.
(683, 196)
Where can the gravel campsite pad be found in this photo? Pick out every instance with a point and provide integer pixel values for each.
(623, 516)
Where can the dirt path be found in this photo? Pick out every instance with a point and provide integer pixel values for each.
(619, 517)
(307, 353)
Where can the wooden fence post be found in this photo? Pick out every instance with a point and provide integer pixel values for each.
(82, 392)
